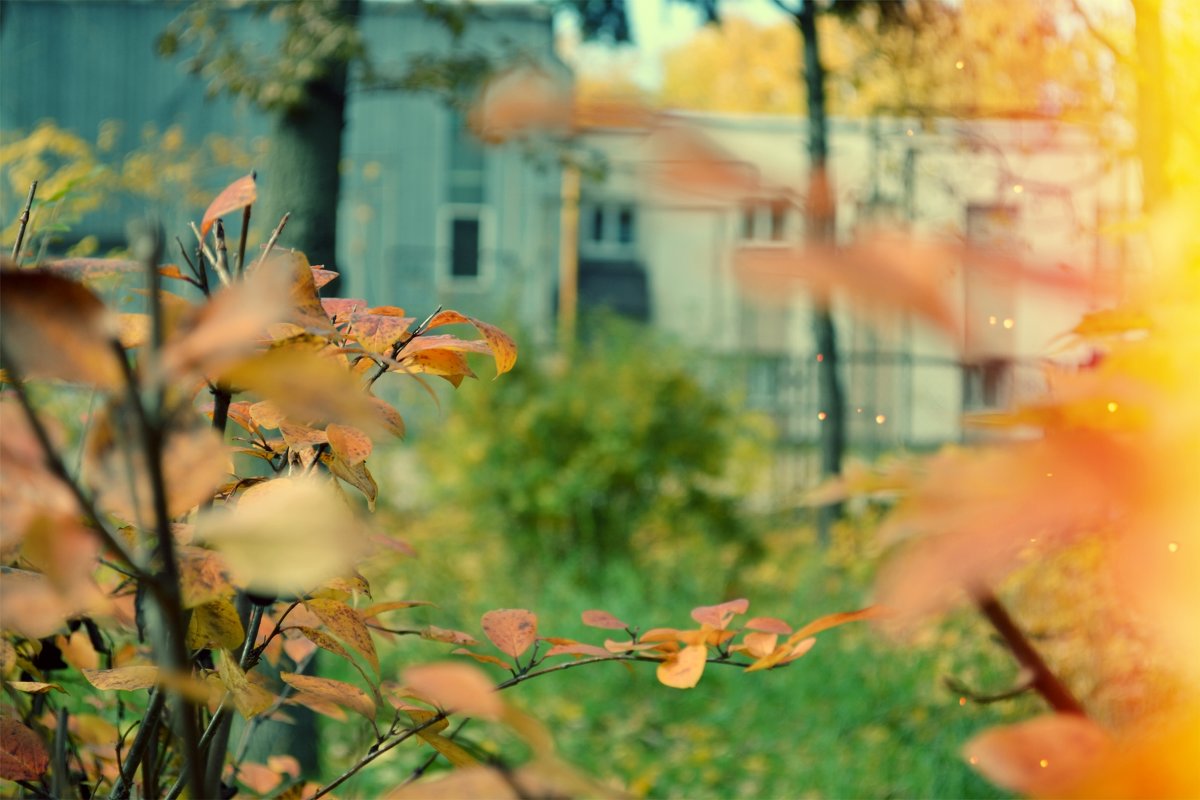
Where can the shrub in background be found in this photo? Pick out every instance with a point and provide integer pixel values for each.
(595, 457)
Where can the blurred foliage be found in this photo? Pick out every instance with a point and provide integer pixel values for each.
(590, 458)
(77, 177)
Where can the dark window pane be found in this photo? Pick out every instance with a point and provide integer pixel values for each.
(625, 225)
(778, 221)
(598, 224)
(464, 248)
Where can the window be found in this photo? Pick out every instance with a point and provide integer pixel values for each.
(764, 221)
(463, 222)
(611, 229)
(464, 247)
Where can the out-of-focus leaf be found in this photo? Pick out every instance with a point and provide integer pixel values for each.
(35, 608)
(285, 535)
(685, 160)
(390, 605)
(343, 622)
(1045, 757)
(231, 325)
(215, 625)
(683, 669)
(125, 679)
(455, 753)
(577, 649)
(202, 577)
(334, 691)
(23, 757)
(719, 616)
(298, 437)
(258, 778)
(55, 328)
(77, 650)
(307, 311)
(456, 687)
(512, 630)
(196, 463)
(387, 416)
(234, 197)
(768, 625)
(504, 349)
(250, 699)
(521, 101)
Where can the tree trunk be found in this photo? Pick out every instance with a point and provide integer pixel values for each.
(1153, 128)
(821, 211)
(300, 174)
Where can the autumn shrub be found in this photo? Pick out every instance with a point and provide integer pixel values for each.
(593, 458)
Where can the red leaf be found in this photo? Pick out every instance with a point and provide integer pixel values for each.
(235, 196)
(512, 630)
(23, 756)
(602, 619)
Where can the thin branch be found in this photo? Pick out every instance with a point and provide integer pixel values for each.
(1044, 681)
(207, 253)
(241, 256)
(59, 778)
(401, 343)
(24, 220)
(427, 763)
(147, 730)
(1023, 685)
(222, 262)
(108, 538)
(274, 238)
(408, 733)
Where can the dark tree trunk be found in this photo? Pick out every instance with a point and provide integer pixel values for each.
(820, 226)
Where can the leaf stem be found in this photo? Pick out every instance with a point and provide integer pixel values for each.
(24, 220)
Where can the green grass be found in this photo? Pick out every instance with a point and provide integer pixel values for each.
(859, 716)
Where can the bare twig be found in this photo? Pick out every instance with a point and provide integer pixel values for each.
(24, 220)
(274, 238)
(147, 730)
(1023, 685)
(60, 774)
(1044, 681)
(208, 254)
(222, 263)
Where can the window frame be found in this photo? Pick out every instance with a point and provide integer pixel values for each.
(444, 242)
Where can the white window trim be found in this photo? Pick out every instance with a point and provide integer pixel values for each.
(762, 223)
(448, 212)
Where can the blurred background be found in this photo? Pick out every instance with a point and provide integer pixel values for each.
(607, 179)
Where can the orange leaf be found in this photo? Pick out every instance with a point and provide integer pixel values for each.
(456, 687)
(321, 277)
(519, 101)
(351, 444)
(602, 619)
(258, 779)
(55, 328)
(719, 616)
(345, 623)
(324, 641)
(503, 348)
(446, 364)
(387, 416)
(23, 756)
(760, 645)
(512, 630)
(334, 691)
(235, 196)
(787, 650)
(683, 669)
(377, 333)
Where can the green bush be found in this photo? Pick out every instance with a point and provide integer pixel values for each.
(598, 455)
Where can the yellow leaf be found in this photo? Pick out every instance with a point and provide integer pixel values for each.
(125, 679)
(249, 698)
(36, 687)
(77, 650)
(215, 625)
